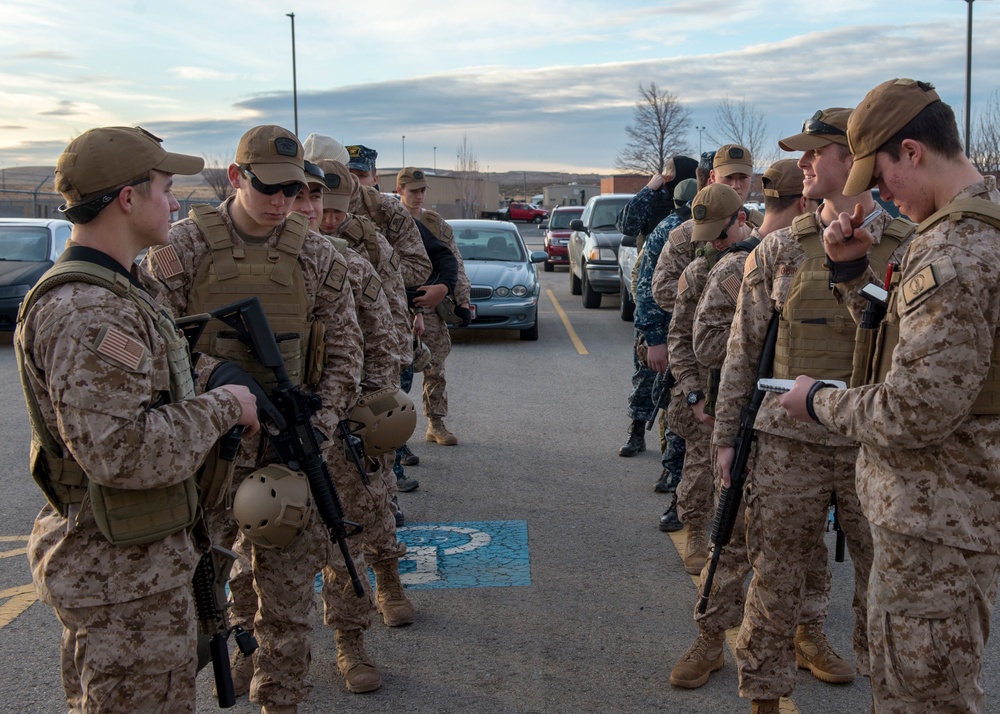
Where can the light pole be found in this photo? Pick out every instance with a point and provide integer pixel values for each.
(435, 159)
(700, 130)
(968, 77)
(404, 151)
(295, 86)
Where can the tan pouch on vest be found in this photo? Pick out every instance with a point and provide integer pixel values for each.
(131, 517)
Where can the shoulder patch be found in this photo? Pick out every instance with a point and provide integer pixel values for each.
(167, 263)
(677, 237)
(751, 264)
(372, 287)
(786, 271)
(921, 283)
(397, 221)
(337, 276)
(119, 347)
(731, 284)
(682, 284)
(394, 259)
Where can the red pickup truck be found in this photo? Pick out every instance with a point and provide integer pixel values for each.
(517, 212)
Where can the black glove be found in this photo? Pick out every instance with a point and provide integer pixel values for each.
(232, 373)
(464, 313)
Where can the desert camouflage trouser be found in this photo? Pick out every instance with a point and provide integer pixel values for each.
(136, 656)
(438, 341)
(787, 504)
(694, 492)
(929, 611)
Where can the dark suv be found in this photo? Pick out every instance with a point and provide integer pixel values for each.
(557, 235)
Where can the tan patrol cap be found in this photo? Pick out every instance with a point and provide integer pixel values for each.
(411, 177)
(101, 159)
(883, 112)
(783, 178)
(339, 185)
(733, 159)
(273, 153)
(319, 146)
(826, 126)
(713, 207)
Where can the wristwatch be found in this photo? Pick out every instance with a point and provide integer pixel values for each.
(695, 397)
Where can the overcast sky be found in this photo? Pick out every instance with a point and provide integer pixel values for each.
(536, 85)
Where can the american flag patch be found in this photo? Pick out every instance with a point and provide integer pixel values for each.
(121, 348)
(167, 263)
(731, 284)
(677, 236)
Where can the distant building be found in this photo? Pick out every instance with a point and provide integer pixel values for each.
(452, 196)
(573, 194)
(623, 183)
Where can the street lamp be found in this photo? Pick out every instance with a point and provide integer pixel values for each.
(404, 151)
(700, 130)
(968, 77)
(435, 159)
(295, 87)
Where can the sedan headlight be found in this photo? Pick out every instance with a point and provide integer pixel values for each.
(502, 291)
(601, 254)
(14, 291)
(519, 291)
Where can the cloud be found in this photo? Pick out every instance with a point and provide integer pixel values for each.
(200, 74)
(54, 55)
(65, 108)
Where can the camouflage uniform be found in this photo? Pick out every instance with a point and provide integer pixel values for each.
(712, 323)
(128, 619)
(436, 335)
(284, 578)
(395, 223)
(927, 471)
(798, 467)
(676, 255)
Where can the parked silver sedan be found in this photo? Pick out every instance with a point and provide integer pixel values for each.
(502, 273)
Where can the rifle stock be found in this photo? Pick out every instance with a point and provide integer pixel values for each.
(293, 436)
(730, 498)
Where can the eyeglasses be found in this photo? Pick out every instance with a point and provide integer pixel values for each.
(815, 126)
(724, 235)
(86, 212)
(290, 190)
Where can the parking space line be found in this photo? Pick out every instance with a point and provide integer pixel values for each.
(21, 598)
(787, 705)
(13, 552)
(577, 342)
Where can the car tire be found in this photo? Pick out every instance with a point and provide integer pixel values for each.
(548, 267)
(591, 298)
(536, 220)
(530, 334)
(627, 308)
(574, 283)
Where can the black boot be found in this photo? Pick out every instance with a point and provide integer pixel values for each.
(636, 442)
(669, 522)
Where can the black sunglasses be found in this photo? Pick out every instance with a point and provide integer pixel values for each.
(86, 212)
(815, 126)
(290, 190)
(724, 235)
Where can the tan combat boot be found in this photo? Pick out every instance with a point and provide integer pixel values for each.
(813, 652)
(702, 658)
(396, 609)
(438, 433)
(765, 706)
(279, 709)
(360, 672)
(696, 550)
(241, 667)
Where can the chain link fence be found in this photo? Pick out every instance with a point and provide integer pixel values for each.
(21, 203)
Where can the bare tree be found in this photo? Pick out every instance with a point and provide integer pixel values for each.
(658, 131)
(216, 175)
(470, 181)
(742, 122)
(984, 146)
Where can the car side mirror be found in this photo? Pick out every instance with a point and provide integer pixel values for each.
(576, 225)
(628, 241)
(538, 256)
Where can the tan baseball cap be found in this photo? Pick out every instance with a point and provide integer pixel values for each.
(883, 112)
(339, 185)
(101, 159)
(826, 126)
(783, 178)
(320, 146)
(273, 153)
(733, 159)
(713, 208)
(411, 177)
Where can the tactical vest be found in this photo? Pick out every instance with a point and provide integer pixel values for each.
(233, 272)
(816, 333)
(124, 516)
(372, 200)
(359, 230)
(988, 401)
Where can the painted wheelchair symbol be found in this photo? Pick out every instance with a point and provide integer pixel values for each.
(427, 546)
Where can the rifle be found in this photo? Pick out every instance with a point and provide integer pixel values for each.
(838, 554)
(731, 497)
(289, 425)
(662, 384)
(209, 585)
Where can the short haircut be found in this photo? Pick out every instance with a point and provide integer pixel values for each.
(934, 126)
(777, 204)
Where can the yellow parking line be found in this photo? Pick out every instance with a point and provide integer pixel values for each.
(13, 552)
(9, 539)
(21, 598)
(577, 342)
(787, 704)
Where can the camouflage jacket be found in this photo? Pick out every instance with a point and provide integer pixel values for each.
(382, 349)
(690, 376)
(395, 223)
(650, 318)
(676, 255)
(928, 468)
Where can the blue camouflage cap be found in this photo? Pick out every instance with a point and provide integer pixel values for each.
(362, 158)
